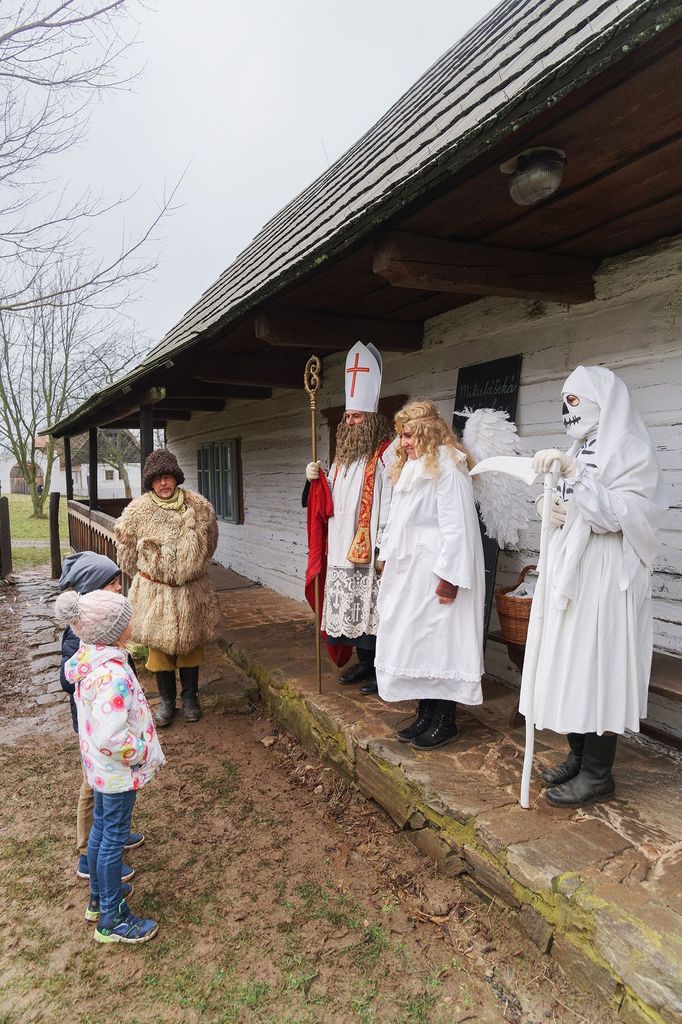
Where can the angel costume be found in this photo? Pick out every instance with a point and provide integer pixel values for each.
(597, 636)
(426, 649)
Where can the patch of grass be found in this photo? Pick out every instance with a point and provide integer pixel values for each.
(29, 558)
(221, 787)
(363, 1005)
(245, 995)
(298, 973)
(368, 952)
(327, 903)
(24, 527)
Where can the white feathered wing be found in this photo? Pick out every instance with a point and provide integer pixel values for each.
(503, 501)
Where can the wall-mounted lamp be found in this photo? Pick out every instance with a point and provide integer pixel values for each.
(535, 174)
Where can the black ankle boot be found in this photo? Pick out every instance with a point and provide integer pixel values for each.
(569, 768)
(165, 683)
(189, 683)
(363, 670)
(594, 781)
(425, 712)
(443, 728)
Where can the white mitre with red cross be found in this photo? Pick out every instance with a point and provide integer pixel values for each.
(363, 378)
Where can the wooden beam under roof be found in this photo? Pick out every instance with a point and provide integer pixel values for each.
(115, 418)
(193, 404)
(132, 423)
(326, 333)
(439, 265)
(200, 389)
(263, 369)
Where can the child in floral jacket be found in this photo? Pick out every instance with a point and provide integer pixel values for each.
(119, 749)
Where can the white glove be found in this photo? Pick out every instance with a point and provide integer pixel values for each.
(558, 511)
(312, 471)
(542, 462)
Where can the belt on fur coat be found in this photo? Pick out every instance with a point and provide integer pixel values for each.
(162, 582)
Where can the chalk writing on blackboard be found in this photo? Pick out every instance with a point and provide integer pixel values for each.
(490, 389)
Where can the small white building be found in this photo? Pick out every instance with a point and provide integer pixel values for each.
(111, 476)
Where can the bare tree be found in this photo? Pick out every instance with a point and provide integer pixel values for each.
(55, 60)
(52, 357)
(118, 449)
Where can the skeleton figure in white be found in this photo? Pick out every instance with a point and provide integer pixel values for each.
(349, 611)
(596, 643)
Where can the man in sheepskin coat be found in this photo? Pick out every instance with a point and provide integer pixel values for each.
(165, 540)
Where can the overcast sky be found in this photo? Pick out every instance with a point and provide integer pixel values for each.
(255, 100)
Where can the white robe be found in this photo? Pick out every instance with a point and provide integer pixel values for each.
(350, 594)
(595, 654)
(597, 637)
(426, 649)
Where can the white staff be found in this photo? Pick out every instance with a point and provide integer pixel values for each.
(522, 468)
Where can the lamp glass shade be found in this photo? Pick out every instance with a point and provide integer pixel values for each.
(535, 181)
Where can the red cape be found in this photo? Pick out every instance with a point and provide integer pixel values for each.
(320, 510)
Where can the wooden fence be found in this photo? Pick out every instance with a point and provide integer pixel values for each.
(93, 531)
(5, 540)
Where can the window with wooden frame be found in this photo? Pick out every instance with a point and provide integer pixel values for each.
(219, 478)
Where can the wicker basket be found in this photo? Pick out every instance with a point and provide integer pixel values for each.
(514, 612)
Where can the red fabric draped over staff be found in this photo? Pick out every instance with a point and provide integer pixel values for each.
(320, 509)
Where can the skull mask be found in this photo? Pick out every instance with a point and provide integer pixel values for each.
(581, 416)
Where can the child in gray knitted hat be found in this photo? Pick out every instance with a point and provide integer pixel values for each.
(119, 749)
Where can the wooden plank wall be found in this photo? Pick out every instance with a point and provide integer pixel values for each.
(632, 327)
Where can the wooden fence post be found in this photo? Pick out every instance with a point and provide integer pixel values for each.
(55, 549)
(5, 540)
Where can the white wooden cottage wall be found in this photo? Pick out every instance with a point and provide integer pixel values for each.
(632, 327)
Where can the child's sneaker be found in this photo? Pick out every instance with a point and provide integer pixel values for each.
(92, 909)
(129, 928)
(133, 840)
(83, 870)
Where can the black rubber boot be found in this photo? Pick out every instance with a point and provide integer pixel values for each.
(425, 712)
(364, 669)
(594, 781)
(189, 683)
(366, 656)
(443, 728)
(569, 768)
(165, 683)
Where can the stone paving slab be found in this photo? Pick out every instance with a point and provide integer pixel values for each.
(224, 688)
(598, 888)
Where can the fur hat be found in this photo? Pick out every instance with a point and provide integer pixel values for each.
(161, 463)
(97, 618)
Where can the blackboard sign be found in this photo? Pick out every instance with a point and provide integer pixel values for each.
(492, 385)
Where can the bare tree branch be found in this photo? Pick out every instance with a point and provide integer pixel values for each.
(53, 357)
(55, 59)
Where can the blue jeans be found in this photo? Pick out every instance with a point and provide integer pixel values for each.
(110, 829)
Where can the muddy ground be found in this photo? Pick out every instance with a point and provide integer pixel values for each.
(282, 895)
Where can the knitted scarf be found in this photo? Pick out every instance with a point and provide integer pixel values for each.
(176, 503)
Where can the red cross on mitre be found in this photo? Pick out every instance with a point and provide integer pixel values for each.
(355, 369)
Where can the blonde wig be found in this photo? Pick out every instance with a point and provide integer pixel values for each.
(430, 432)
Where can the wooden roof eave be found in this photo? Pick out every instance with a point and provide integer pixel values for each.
(634, 32)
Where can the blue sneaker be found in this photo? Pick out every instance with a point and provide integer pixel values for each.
(133, 840)
(128, 928)
(83, 871)
(92, 909)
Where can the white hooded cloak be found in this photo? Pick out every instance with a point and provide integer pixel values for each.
(597, 637)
